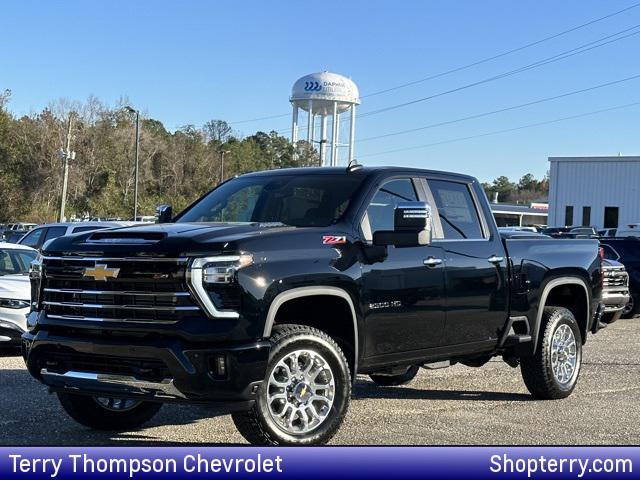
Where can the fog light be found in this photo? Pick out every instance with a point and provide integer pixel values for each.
(221, 366)
(218, 366)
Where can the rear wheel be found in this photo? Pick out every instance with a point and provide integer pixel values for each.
(385, 380)
(107, 413)
(553, 371)
(305, 396)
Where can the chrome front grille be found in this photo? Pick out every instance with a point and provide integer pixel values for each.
(143, 290)
(615, 278)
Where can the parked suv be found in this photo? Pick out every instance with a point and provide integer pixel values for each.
(272, 292)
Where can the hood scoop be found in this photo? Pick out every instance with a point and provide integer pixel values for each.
(125, 238)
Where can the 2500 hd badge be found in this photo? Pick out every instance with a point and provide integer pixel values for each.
(237, 303)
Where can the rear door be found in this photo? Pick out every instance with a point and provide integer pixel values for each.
(475, 264)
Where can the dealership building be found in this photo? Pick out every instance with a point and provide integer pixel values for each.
(600, 191)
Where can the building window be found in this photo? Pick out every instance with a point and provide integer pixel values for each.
(586, 216)
(611, 217)
(568, 215)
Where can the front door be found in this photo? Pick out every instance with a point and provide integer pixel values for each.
(402, 295)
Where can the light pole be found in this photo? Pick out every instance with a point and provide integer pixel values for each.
(66, 155)
(222, 153)
(135, 181)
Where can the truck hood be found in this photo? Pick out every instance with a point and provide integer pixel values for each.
(169, 239)
(15, 286)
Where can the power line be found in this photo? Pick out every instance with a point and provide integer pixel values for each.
(501, 110)
(260, 118)
(555, 58)
(464, 67)
(600, 42)
(496, 132)
(500, 55)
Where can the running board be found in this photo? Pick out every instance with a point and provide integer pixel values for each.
(437, 365)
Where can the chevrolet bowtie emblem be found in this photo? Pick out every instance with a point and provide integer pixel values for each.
(100, 273)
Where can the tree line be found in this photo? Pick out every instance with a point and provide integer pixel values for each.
(528, 189)
(174, 167)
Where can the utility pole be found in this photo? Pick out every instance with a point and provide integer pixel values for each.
(66, 155)
(222, 153)
(135, 175)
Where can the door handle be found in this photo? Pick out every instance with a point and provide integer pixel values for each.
(495, 259)
(432, 262)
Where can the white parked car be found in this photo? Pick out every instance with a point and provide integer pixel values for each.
(15, 291)
(39, 235)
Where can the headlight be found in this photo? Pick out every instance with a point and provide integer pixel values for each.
(222, 270)
(12, 303)
(208, 272)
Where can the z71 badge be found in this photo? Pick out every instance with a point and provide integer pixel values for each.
(334, 239)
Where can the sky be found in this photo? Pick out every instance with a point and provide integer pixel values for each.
(187, 62)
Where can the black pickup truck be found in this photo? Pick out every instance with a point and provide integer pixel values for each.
(268, 295)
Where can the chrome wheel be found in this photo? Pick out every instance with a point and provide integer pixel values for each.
(117, 404)
(300, 391)
(564, 355)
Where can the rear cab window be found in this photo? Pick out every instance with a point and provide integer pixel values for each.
(457, 211)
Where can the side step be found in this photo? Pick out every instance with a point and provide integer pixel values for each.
(437, 365)
(515, 339)
(509, 336)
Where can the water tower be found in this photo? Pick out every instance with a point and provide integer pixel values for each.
(323, 95)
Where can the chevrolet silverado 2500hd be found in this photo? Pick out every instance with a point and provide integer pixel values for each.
(269, 294)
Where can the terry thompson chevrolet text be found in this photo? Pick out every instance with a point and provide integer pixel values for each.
(269, 294)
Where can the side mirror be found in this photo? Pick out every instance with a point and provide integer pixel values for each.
(164, 213)
(411, 226)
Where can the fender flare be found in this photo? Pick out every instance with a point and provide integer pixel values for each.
(556, 282)
(300, 292)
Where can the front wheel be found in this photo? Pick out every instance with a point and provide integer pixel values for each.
(305, 395)
(553, 371)
(106, 413)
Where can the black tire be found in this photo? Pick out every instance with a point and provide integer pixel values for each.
(259, 428)
(633, 307)
(611, 317)
(87, 411)
(537, 371)
(395, 380)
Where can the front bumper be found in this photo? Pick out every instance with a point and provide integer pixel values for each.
(615, 301)
(163, 370)
(13, 323)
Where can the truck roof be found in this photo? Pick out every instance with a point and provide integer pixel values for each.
(354, 171)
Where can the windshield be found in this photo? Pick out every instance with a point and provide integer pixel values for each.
(15, 262)
(296, 200)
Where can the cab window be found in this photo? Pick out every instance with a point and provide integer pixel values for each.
(456, 209)
(380, 212)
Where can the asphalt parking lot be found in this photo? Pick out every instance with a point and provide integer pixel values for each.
(458, 405)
